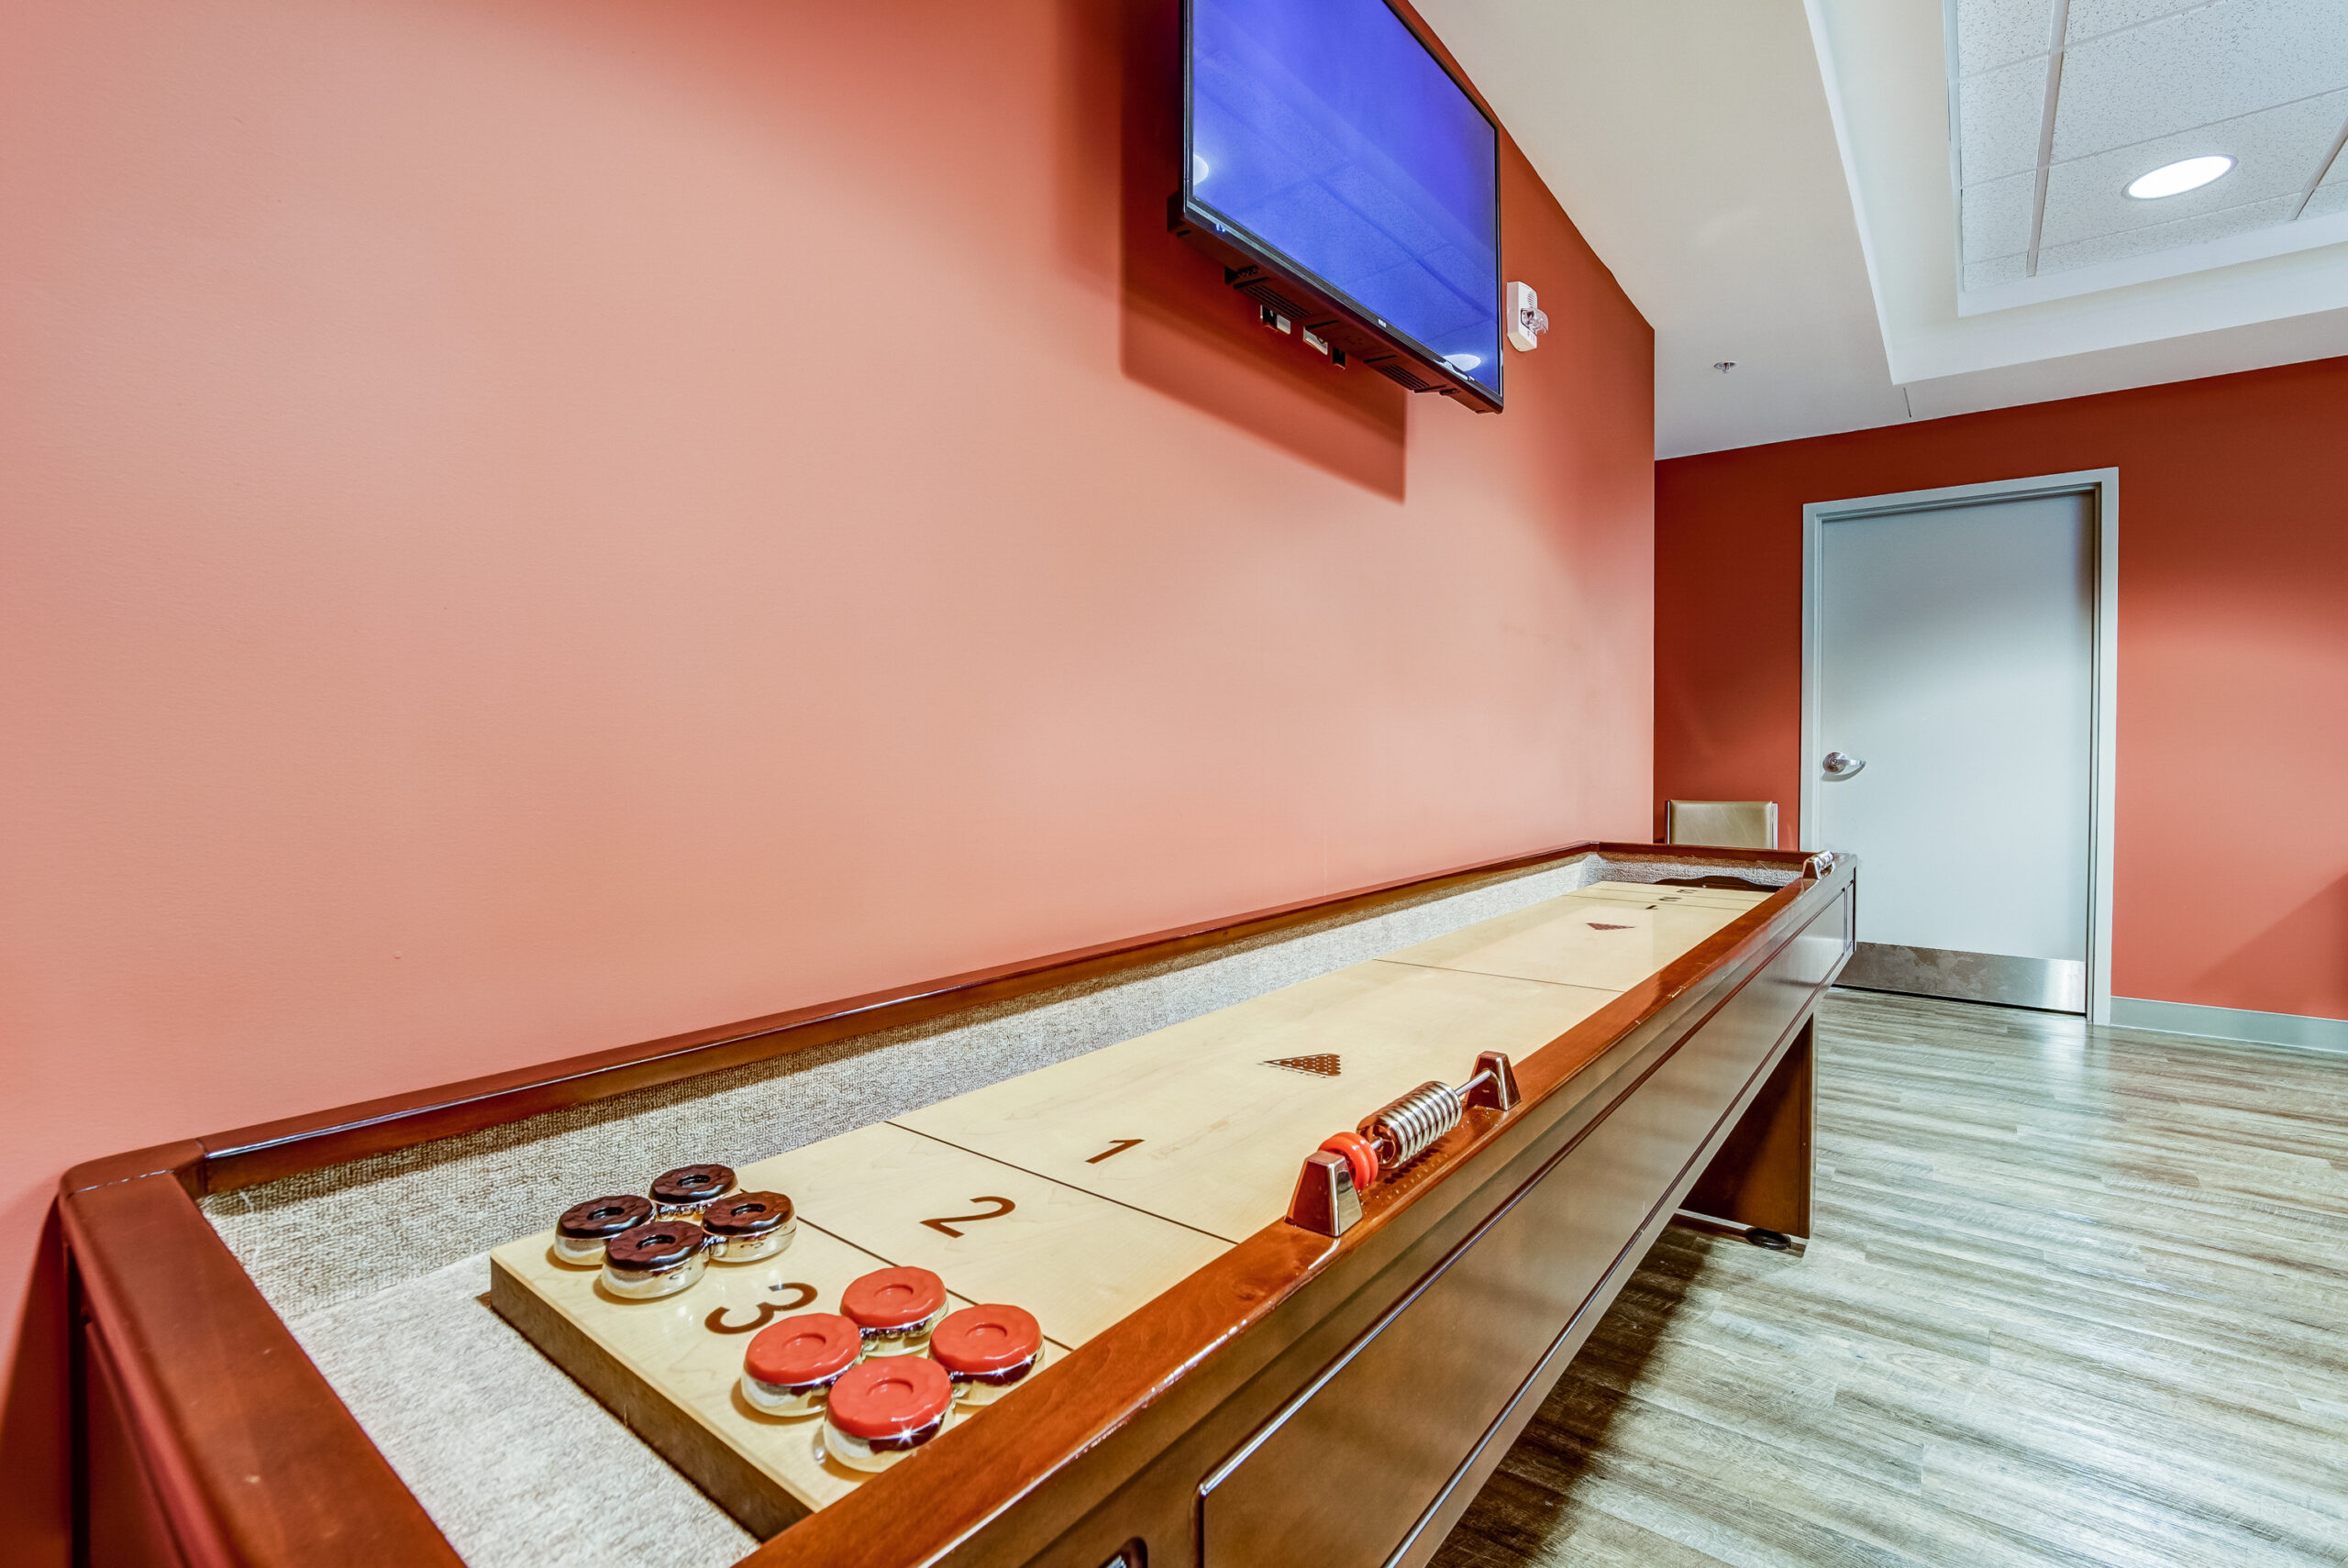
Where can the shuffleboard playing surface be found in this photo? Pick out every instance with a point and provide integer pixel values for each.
(1083, 1190)
(1203, 1124)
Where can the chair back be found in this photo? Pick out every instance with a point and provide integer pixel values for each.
(1725, 825)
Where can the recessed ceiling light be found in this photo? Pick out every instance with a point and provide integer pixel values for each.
(2175, 178)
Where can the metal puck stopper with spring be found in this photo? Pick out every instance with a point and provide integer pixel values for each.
(1349, 1164)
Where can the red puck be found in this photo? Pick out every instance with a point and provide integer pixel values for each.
(1359, 1153)
(892, 1298)
(890, 1397)
(986, 1338)
(803, 1350)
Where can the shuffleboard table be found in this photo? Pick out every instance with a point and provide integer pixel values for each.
(1256, 1349)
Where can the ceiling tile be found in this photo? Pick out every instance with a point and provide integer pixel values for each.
(1990, 33)
(1990, 274)
(2276, 152)
(2217, 62)
(1997, 216)
(2092, 19)
(2164, 236)
(2196, 309)
(1998, 121)
(2329, 197)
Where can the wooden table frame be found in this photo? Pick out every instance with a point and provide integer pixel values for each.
(202, 1436)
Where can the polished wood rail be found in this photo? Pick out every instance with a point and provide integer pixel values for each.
(210, 1438)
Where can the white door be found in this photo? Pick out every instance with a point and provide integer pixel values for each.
(1954, 708)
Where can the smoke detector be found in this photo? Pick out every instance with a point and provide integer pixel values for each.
(1526, 320)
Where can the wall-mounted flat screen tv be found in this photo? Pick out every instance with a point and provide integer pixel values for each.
(1346, 182)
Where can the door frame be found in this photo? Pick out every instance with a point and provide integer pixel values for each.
(2102, 486)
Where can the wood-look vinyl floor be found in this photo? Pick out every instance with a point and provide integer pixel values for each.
(2076, 1297)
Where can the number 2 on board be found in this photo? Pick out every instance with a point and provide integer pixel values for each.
(944, 1225)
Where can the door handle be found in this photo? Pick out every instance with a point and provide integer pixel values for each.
(1838, 765)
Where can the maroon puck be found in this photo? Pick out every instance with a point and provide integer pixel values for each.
(747, 1226)
(601, 1219)
(579, 1234)
(895, 1398)
(691, 1188)
(747, 1214)
(655, 1260)
(662, 1244)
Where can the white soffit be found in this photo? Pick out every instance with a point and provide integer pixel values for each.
(2056, 106)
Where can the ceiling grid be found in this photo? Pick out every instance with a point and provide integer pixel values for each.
(2061, 14)
(2334, 174)
(2109, 90)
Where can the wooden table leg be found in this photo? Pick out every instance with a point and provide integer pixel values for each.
(1760, 1178)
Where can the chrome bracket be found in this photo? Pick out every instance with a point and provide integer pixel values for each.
(1325, 1202)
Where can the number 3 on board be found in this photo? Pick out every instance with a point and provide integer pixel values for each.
(946, 1224)
(800, 1294)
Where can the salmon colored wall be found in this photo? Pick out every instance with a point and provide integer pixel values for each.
(536, 526)
(2230, 870)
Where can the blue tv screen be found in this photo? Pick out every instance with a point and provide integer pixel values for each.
(1323, 135)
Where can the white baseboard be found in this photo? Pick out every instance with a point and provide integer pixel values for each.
(2232, 1023)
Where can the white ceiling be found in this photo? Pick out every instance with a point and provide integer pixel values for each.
(2061, 103)
(1772, 181)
